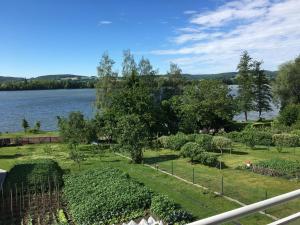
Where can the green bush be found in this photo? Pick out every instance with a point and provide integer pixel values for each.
(205, 141)
(107, 195)
(207, 159)
(285, 140)
(174, 142)
(296, 132)
(234, 135)
(278, 167)
(191, 150)
(34, 173)
(221, 143)
(168, 211)
(289, 115)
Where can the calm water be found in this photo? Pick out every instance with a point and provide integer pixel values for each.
(42, 105)
(45, 105)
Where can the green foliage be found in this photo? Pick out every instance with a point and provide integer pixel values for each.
(168, 211)
(287, 83)
(205, 141)
(285, 140)
(248, 137)
(34, 173)
(278, 167)
(62, 218)
(107, 195)
(205, 104)
(75, 154)
(174, 142)
(75, 129)
(25, 124)
(191, 150)
(132, 135)
(196, 153)
(221, 143)
(289, 115)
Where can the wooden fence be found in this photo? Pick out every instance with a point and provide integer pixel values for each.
(28, 140)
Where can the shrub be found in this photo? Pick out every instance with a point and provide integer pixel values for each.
(234, 135)
(221, 143)
(34, 173)
(174, 142)
(296, 132)
(108, 196)
(191, 150)
(289, 115)
(248, 138)
(163, 141)
(168, 211)
(207, 159)
(285, 140)
(263, 138)
(205, 141)
(277, 167)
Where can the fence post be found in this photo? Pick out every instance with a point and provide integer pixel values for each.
(266, 197)
(193, 175)
(222, 185)
(172, 168)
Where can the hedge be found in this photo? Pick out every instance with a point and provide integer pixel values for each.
(174, 142)
(168, 211)
(34, 173)
(106, 196)
(285, 140)
(205, 141)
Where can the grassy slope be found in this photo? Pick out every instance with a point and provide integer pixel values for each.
(245, 186)
(193, 199)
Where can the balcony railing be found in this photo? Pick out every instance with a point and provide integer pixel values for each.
(256, 207)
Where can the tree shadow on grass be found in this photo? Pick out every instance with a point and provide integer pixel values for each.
(235, 152)
(160, 158)
(15, 156)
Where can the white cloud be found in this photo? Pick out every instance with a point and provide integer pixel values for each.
(104, 22)
(269, 30)
(189, 12)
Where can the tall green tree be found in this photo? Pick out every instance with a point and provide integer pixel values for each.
(204, 105)
(128, 64)
(106, 84)
(287, 83)
(262, 89)
(132, 136)
(245, 82)
(145, 68)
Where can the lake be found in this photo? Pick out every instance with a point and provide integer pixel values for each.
(46, 105)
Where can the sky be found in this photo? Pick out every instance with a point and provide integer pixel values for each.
(39, 37)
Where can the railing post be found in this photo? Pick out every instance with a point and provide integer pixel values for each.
(193, 175)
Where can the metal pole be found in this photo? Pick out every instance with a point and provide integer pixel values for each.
(222, 185)
(172, 168)
(193, 175)
(249, 209)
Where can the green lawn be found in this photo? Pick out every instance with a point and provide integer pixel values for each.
(244, 186)
(200, 203)
(23, 134)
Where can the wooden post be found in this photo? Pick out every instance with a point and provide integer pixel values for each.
(172, 168)
(193, 175)
(222, 185)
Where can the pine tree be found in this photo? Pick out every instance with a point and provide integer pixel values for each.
(262, 89)
(245, 82)
(25, 125)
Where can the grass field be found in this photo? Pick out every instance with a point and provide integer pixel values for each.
(245, 186)
(22, 134)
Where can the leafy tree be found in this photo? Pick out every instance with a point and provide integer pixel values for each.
(290, 114)
(25, 125)
(206, 104)
(128, 65)
(262, 89)
(145, 68)
(75, 129)
(245, 82)
(132, 135)
(75, 154)
(287, 83)
(107, 82)
(37, 125)
(221, 143)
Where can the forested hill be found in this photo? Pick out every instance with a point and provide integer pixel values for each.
(70, 81)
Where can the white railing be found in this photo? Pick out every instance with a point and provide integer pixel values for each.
(249, 209)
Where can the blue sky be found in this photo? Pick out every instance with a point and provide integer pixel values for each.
(69, 36)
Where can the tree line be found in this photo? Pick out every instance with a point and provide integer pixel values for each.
(45, 84)
(136, 108)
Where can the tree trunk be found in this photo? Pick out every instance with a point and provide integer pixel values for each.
(246, 115)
